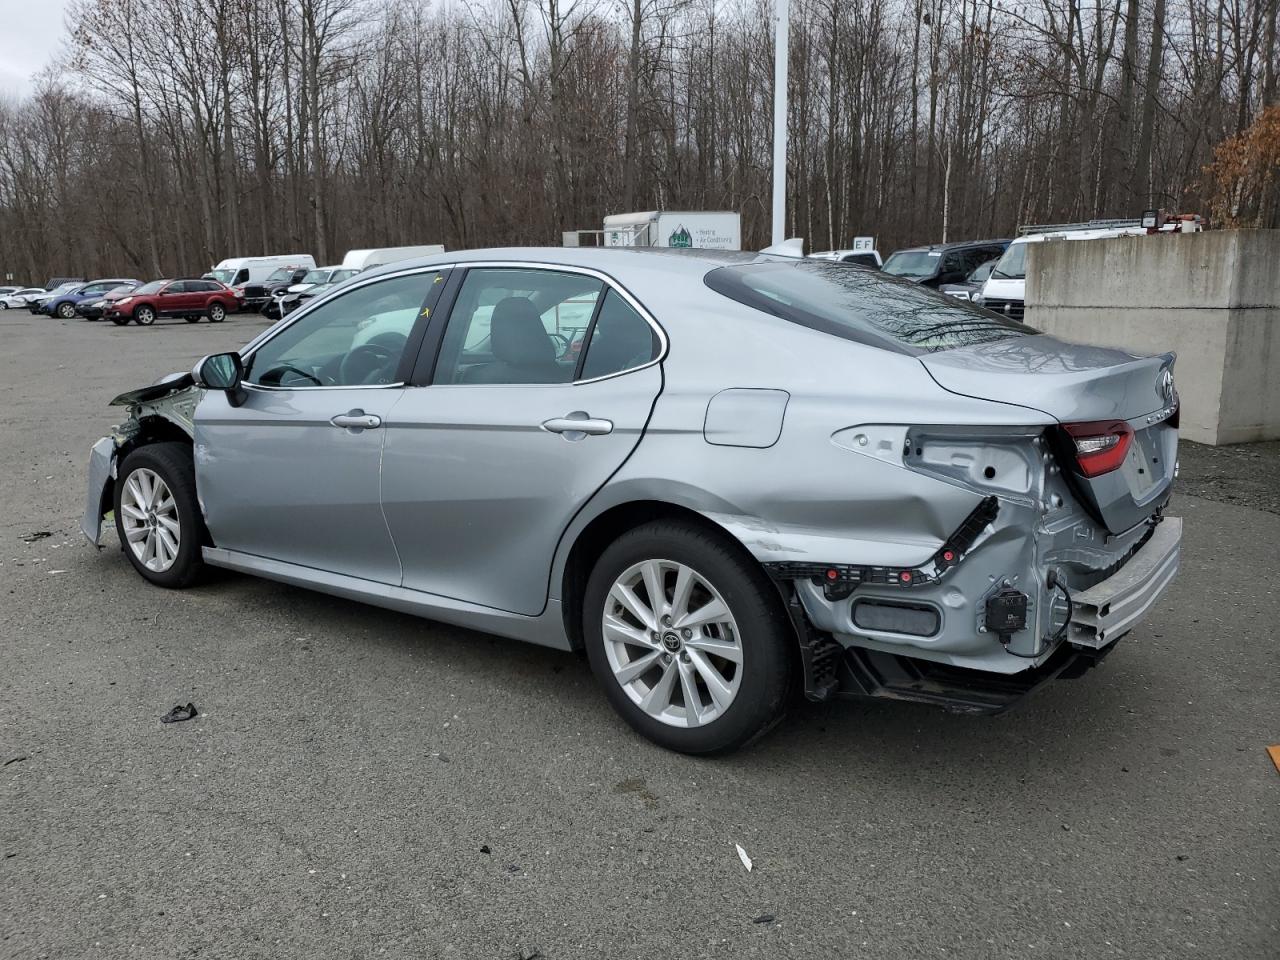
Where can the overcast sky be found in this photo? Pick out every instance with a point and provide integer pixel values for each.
(30, 33)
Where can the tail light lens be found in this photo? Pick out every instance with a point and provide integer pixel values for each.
(1100, 446)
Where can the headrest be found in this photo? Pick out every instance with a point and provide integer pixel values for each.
(516, 333)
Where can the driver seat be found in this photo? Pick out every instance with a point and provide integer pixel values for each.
(522, 351)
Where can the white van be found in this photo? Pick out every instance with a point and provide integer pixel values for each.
(1005, 291)
(368, 259)
(239, 271)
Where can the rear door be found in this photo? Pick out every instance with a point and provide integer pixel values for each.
(513, 430)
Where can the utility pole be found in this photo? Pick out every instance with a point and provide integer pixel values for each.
(782, 11)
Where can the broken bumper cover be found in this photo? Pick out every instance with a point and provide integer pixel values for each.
(101, 467)
(1108, 610)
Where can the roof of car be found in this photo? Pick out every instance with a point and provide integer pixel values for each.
(684, 261)
(956, 244)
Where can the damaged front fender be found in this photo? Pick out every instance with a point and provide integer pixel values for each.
(162, 411)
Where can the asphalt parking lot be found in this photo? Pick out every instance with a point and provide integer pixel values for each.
(363, 784)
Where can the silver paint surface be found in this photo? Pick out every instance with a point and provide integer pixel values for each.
(461, 507)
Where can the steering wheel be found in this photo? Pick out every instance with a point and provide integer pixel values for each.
(367, 363)
(561, 342)
(282, 368)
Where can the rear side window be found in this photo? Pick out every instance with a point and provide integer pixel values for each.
(620, 340)
(861, 305)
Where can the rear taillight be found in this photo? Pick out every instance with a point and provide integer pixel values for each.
(1099, 446)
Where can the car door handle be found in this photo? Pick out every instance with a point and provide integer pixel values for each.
(356, 420)
(579, 423)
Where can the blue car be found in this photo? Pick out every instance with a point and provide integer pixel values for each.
(63, 303)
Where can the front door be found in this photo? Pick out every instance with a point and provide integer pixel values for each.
(292, 474)
(544, 382)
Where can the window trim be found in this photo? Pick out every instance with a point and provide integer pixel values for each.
(424, 374)
(412, 345)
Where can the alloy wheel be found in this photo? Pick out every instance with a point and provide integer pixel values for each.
(149, 516)
(672, 643)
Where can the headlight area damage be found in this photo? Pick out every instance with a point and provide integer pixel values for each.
(1030, 586)
(163, 411)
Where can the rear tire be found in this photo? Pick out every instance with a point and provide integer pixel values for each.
(734, 664)
(157, 516)
(191, 319)
(144, 316)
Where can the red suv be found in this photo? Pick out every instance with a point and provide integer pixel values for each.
(189, 299)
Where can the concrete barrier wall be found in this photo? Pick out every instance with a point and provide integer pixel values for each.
(1213, 298)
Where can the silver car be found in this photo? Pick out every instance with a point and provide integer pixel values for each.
(725, 477)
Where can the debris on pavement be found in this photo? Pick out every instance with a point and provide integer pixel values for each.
(764, 918)
(180, 713)
(18, 759)
(36, 535)
(1274, 753)
(484, 848)
(742, 855)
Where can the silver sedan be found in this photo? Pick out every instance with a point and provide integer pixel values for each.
(728, 478)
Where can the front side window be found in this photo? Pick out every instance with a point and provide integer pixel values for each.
(516, 325)
(861, 305)
(981, 273)
(357, 339)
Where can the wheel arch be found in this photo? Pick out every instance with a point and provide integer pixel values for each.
(150, 429)
(592, 538)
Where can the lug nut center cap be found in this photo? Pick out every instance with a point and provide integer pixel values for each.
(671, 641)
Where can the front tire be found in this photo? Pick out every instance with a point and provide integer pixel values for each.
(144, 316)
(687, 636)
(120, 321)
(67, 311)
(157, 516)
(217, 313)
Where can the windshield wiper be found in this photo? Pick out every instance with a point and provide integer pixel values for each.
(1008, 276)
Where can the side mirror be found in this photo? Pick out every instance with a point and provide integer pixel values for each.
(221, 371)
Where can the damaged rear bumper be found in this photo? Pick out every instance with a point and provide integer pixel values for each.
(1108, 610)
(101, 476)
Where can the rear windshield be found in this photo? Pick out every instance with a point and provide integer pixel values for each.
(862, 305)
(917, 264)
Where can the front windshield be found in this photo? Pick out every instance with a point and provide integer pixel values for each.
(222, 276)
(316, 276)
(64, 287)
(1013, 265)
(861, 305)
(916, 264)
(155, 286)
(284, 273)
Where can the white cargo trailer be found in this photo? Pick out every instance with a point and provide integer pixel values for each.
(706, 230)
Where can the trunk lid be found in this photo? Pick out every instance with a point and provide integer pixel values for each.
(1100, 387)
